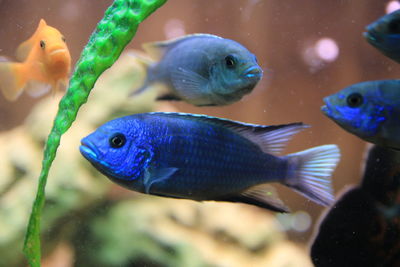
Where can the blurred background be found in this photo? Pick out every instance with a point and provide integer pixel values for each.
(308, 51)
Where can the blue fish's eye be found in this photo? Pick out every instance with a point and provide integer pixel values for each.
(117, 140)
(354, 100)
(230, 61)
(42, 44)
(394, 26)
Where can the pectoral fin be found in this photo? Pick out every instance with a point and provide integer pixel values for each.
(37, 89)
(188, 83)
(155, 176)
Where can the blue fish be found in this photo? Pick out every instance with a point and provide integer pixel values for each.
(384, 34)
(369, 110)
(201, 158)
(201, 69)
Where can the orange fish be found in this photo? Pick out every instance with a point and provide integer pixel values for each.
(45, 64)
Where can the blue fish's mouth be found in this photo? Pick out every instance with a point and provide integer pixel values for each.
(253, 72)
(327, 109)
(372, 36)
(88, 150)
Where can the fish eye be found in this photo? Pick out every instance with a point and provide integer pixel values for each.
(63, 39)
(42, 44)
(255, 59)
(230, 61)
(117, 140)
(354, 100)
(394, 26)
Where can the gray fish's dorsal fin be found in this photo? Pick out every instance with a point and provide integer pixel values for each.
(156, 50)
(270, 139)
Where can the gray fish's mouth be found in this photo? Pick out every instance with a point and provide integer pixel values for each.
(253, 72)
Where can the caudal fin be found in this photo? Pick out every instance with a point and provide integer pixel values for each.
(11, 82)
(144, 62)
(311, 172)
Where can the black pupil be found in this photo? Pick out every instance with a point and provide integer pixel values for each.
(394, 26)
(117, 140)
(42, 44)
(354, 100)
(230, 61)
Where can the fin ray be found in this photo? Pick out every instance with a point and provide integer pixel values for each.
(270, 139)
(263, 196)
(312, 173)
(189, 84)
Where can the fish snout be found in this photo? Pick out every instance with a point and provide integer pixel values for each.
(372, 37)
(253, 72)
(327, 108)
(89, 150)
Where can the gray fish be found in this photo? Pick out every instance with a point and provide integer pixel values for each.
(206, 158)
(384, 34)
(370, 110)
(201, 69)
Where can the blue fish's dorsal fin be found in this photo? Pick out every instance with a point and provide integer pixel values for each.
(156, 50)
(271, 139)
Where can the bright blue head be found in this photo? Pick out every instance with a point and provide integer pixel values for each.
(384, 34)
(117, 149)
(361, 108)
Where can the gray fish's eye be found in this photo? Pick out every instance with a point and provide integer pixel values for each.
(394, 26)
(117, 140)
(230, 61)
(354, 100)
(42, 44)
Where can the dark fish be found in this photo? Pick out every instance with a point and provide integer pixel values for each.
(370, 110)
(363, 227)
(206, 158)
(201, 69)
(384, 34)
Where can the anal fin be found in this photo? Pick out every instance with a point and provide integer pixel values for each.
(263, 196)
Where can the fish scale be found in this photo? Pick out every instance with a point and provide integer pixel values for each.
(186, 141)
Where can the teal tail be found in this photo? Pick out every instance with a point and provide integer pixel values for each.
(145, 63)
(310, 173)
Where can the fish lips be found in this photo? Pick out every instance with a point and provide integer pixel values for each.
(253, 73)
(89, 151)
(327, 109)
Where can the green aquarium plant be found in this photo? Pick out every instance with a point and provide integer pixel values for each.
(113, 33)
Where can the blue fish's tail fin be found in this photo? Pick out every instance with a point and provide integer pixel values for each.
(12, 80)
(310, 173)
(145, 63)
